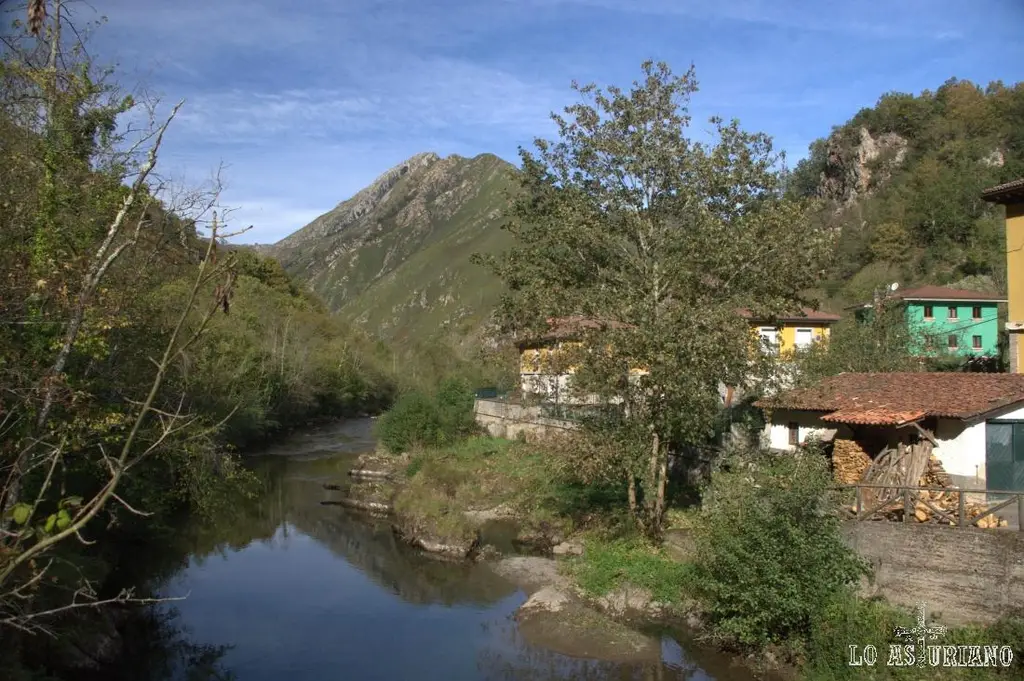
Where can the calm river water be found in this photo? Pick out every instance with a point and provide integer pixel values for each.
(298, 591)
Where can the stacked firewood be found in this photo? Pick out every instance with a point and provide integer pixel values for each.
(943, 505)
(849, 461)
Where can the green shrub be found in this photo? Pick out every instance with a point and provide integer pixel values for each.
(455, 410)
(769, 554)
(418, 419)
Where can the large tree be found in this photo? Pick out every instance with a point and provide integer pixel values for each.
(626, 218)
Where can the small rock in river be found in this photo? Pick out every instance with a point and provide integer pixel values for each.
(548, 599)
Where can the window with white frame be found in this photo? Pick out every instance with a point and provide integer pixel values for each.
(804, 337)
(769, 339)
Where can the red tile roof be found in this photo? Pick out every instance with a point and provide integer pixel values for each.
(806, 314)
(877, 416)
(562, 328)
(941, 293)
(1007, 192)
(903, 395)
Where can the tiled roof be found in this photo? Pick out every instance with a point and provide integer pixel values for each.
(1008, 190)
(942, 293)
(902, 395)
(806, 314)
(560, 328)
(877, 416)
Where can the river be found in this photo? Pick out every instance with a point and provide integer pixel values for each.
(297, 590)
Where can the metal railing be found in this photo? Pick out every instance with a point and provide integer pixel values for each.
(908, 498)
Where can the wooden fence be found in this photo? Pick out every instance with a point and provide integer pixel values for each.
(911, 498)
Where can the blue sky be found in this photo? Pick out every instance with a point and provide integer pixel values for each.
(306, 102)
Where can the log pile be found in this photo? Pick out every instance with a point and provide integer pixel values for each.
(939, 506)
(849, 461)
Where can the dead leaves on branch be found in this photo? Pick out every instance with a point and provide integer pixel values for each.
(36, 17)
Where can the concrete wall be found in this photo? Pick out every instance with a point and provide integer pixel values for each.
(509, 420)
(962, 576)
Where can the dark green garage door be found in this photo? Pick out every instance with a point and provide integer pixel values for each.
(1004, 455)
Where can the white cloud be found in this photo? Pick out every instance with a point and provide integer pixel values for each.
(419, 96)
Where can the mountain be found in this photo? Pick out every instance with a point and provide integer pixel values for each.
(900, 183)
(395, 257)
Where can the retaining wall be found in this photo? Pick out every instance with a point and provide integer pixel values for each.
(961, 575)
(510, 420)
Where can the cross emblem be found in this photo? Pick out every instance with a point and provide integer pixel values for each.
(922, 632)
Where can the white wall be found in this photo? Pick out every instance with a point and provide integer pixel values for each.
(809, 422)
(961, 448)
(962, 444)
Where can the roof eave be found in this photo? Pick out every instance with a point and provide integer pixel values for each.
(1004, 196)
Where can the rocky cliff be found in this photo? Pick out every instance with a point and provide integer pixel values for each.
(852, 171)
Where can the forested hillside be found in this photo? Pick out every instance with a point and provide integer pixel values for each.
(901, 184)
(136, 349)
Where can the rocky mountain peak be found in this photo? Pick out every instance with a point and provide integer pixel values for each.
(364, 202)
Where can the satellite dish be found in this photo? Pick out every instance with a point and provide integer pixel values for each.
(894, 285)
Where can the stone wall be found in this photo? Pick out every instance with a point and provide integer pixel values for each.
(510, 420)
(961, 575)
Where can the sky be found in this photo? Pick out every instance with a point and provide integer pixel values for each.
(306, 102)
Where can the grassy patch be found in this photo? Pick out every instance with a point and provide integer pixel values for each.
(481, 473)
(610, 563)
(423, 512)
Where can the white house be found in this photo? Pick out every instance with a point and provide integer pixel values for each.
(975, 420)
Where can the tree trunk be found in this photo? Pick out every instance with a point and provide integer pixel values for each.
(654, 497)
(634, 510)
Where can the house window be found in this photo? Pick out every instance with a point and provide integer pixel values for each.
(769, 339)
(976, 312)
(951, 342)
(976, 342)
(804, 337)
(928, 312)
(794, 433)
(951, 313)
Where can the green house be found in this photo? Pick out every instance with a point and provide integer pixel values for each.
(948, 321)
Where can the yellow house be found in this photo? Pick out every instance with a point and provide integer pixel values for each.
(787, 333)
(1011, 195)
(542, 360)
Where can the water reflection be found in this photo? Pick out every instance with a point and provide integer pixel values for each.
(300, 590)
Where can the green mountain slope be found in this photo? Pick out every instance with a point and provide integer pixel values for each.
(901, 184)
(395, 257)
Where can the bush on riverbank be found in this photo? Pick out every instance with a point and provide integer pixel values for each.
(419, 419)
(770, 558)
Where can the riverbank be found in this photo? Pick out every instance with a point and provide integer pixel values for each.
(582, 561)
(567, 546)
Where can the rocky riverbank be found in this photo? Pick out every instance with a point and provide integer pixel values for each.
(479, 503)
(538, 568)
